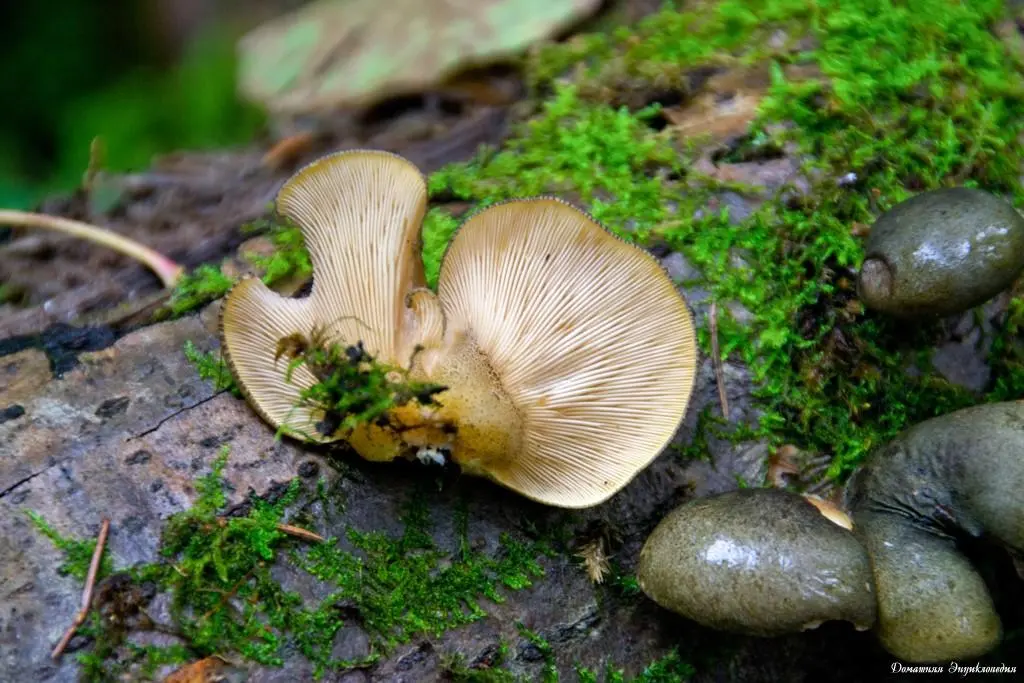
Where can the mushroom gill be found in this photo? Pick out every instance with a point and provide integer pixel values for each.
(360, 214)
(566, 355)
(570, 353)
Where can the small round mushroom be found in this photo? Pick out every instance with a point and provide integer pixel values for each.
(941, 252)
(961, 473)
(761, 562)
(567, 354)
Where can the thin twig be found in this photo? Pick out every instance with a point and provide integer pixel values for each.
(299, 532)
(167, 270)
(90, 583)
(227, 595)
(286, 151)
(716, 360)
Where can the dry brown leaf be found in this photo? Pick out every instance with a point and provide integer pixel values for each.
(205, 670)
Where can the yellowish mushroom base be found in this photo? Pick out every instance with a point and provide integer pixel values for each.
(476, 421)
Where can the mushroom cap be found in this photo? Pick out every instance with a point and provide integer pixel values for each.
(584, 333)
(941, 252)
(933, 606)
(964, 468)
(334, 53)
(762, 562)
(360, 213)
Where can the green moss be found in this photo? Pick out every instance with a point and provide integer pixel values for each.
(669, 668)
(913, 95)
(289, 259)
(225, 599)
(458, 670)
(198, 288)
(208, 282)
(606, 158)
(77, 554)
(352, 388)
(438, 228)
(549, 673)
(212, 367)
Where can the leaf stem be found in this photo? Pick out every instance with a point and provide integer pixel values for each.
(167, 270)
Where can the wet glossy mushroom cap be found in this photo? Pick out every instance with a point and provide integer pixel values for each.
(575, 352)
(360, 213)
(760, 562)
(941, 252)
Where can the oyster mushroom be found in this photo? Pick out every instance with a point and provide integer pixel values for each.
(349, 53)
(363, 244)
(961, 473)
(941, 252)
(760, 562)
(568, 355)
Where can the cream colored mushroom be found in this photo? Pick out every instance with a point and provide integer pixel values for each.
(568, 355)
(360, 213)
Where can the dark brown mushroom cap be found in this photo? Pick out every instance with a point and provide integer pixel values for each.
(585, 335)
(757, 561)
(360, 214)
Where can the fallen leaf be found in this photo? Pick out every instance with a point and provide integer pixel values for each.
(332, 54)
(205, 670)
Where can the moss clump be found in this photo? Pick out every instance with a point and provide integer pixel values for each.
(208, 282)
(669, 668)
(212, 367)
(217, 569)
(353, 388)
(77, 554)
(289, 259)
(197, 288)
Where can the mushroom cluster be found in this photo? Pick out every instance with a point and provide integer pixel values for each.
(765, 562)
(567, 355)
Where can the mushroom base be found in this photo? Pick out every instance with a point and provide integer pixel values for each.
(482, 427)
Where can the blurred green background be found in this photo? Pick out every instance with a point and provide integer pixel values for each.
(146, 76)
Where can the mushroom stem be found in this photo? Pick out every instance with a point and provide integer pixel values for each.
(167, 270)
